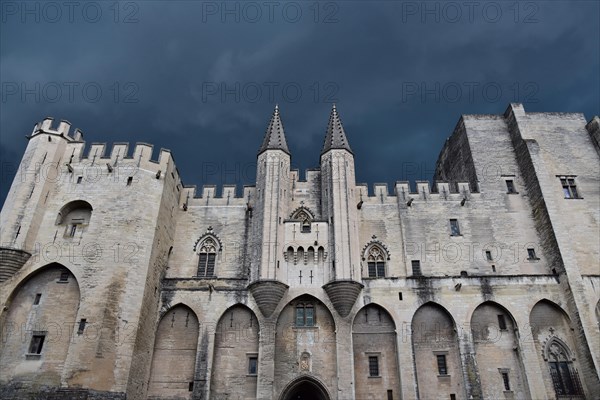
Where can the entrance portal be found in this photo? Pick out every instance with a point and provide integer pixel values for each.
(305, 389)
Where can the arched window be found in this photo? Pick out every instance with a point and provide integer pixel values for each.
(300, 255)
(290, 254)
(376, 262)
(321, 254)
(207, 258)
(75, 216)
(565, 377)
(310, 254)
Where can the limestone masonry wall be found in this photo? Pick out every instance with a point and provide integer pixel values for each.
(117, 281)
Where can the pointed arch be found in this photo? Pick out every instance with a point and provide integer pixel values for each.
(305, 325)
(435, 348)
(375, 358)
(552, 335)
(302, 213)
(305, 387)
(496, 351)
(32, 329)
(174, 356)
(235, 360)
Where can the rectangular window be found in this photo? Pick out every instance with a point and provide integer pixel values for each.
(452, 396)
(309, 316)
(501, 322)
(129, 180)
(191, 387)
(416, 268)
(390, 395)
(380, 269)
(206, 264)
(569, 187)
(454, 229)
(299, 316)
(376, 269)
(488, 255)
(510, 186)
(531, 254)
(506, 381)
(210, 266)
(72, 230)
(37, 342)
(306, 228)
(441, 364)
(252, 365)
(79, 179)
(37, 299)
(373, 366)
(81, 326)
(64, 277)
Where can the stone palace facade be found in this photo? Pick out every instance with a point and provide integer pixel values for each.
(117, 281)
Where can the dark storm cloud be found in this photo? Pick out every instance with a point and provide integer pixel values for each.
(201, 78)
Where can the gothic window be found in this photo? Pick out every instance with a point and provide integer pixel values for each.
(376, 262)
(305, 218)
(305, 314)
(207, 258)
(565, 377)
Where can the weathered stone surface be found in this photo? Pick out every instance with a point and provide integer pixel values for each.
(144, 289)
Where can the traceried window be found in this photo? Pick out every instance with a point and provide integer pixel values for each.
(569, 187)
(305, 218)
(376, 262)
(305, 314)
(565, 377)
(207, 258)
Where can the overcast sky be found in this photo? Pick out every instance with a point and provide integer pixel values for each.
(202, 78)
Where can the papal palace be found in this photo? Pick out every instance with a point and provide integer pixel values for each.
(119, 282)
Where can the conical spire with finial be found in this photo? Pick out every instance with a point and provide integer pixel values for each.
(335, 138)
(275, 136)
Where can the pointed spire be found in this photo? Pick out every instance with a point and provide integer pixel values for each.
(275, 136)
(335, 138)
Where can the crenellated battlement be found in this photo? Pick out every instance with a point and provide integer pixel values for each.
(62, 128)
(211, 195)
(420, 191)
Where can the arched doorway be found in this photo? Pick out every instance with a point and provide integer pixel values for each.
(305, 388)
